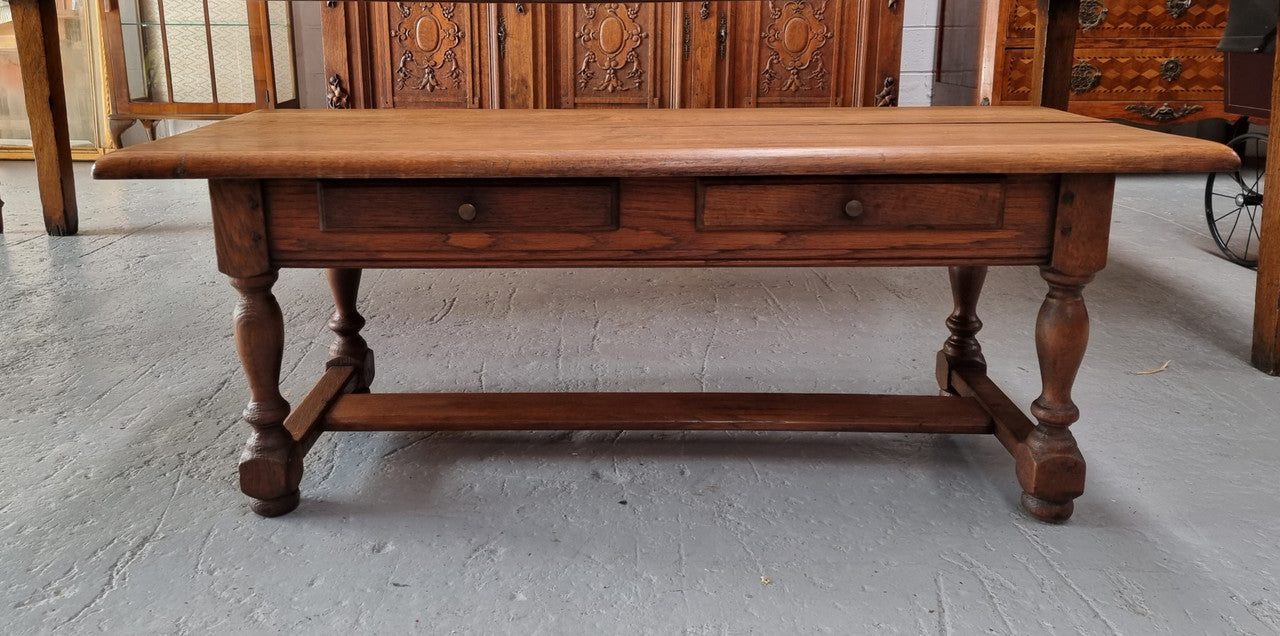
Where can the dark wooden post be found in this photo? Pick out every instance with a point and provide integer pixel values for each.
(36, 28)
(1266, 305)
(1056, 25)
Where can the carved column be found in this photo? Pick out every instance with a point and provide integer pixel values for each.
(349, 347)
(271, 464)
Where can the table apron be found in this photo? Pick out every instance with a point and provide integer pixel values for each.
(782, 221)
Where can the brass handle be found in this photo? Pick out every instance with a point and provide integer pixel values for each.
(1084, 77)
(1092, 14)
(1164, 113)
(467, 212)
(853, 209)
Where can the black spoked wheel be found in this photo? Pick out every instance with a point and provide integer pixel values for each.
(1233, 201)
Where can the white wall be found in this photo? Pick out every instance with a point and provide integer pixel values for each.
(308, 52)
(919, 35)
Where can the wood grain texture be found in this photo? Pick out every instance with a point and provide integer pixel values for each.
(656, 411)
(239, 227)
(693, 142)
(496, 205)
(1082, 224)
(305, 422)
(799, 204)
(1011, 424)
(35, 24)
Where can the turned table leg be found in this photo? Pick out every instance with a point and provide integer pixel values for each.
(961, 349)
(349, 347)
(1050, 466)
(271, 465)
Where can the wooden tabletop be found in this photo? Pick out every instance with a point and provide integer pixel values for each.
(690, 142)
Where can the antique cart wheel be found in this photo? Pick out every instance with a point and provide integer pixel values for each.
(1233, 201)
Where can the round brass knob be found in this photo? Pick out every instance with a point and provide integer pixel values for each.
(467, 212)
(853, 209)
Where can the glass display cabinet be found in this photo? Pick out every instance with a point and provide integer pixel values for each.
(196, 59)
(76, 39)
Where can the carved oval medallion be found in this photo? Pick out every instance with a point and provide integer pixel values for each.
(613, 35)
(427, 33)
(795, 34)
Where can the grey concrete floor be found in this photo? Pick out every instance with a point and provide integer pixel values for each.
(119, 510)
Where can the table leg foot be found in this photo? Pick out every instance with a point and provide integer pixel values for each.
(1047, 511)
(1051, 471)
(276, 507)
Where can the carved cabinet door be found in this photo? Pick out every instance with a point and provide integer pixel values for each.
(435, 52)
(613, 54)
(814, 52)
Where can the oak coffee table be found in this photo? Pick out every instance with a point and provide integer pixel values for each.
(960, 187)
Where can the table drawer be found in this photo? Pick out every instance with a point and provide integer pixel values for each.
(468, 205)
(843, 204)
(689, 221)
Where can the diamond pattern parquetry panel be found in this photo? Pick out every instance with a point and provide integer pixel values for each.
(1133, 19)
(1129, 75)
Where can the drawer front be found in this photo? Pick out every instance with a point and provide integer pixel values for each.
(848, 204)
(469, 205)
(1109, 19)
(976, 219)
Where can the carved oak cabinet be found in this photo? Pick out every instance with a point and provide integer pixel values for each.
(1147, 61)
(620, 55)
